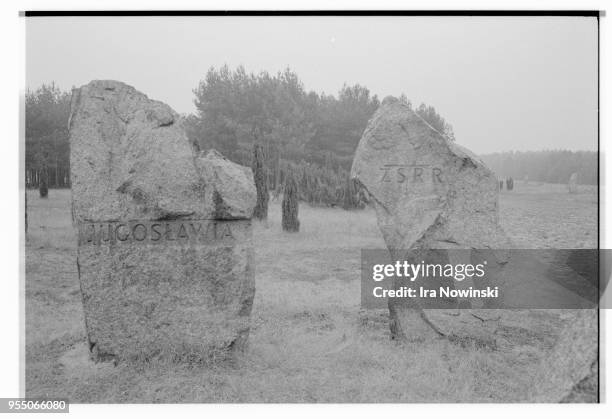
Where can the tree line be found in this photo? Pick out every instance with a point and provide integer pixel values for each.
(47, 151)
(550, 166)
(310, 135)
(236, 109)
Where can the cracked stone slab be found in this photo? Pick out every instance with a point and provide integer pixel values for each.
(429, 193)
(425, 188)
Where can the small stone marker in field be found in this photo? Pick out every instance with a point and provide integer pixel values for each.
(290, 205)
(43, 188)
(261, 185)
(429, 193)
(572, 185)
(165, 255)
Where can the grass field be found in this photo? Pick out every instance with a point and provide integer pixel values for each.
(310, 341)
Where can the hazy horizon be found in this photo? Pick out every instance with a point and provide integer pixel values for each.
(504, 83)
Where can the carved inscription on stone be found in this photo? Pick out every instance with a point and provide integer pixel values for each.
(165, 251)
(155, 232)
(414, 173)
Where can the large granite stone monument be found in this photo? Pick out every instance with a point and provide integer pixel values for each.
(165, 257)
(433, 196)
(429, 193)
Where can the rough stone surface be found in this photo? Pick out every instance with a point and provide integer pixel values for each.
(429, 193)
(233, 184)
(570, 372)
(290, 206)
(426, 190)
(572, 185)
(165, 253)
(261, 184)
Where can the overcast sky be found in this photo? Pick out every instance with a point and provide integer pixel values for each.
(504, 83)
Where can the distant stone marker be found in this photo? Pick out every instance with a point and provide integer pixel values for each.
(43, 188)
(572, 185)
(290, 205)
(165, 255)
(429, 193)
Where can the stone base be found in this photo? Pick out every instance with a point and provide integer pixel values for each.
(410, 324)
(467, 327)
(185, 299)
(464, 327)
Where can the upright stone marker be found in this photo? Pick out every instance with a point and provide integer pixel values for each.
(165, 255)
(426, 190)
(429, 193)
(572, 185)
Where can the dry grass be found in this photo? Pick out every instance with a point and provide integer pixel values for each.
(310, 341)
(539, 216)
